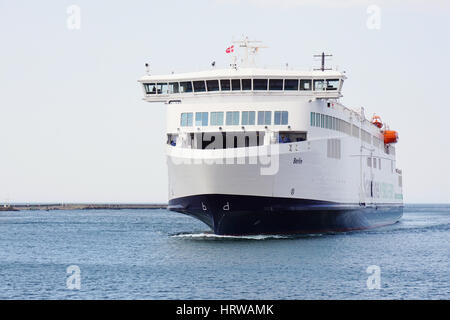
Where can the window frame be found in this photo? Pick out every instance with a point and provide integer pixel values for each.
(211, 80)
(174, 85)
(323, 81)
(234, 115)
(236, 81)
(199, 81)
(303, 81)
(202, 119)
(147, 86)
(214, 116)
(334, 89)
(224, 81)
(251, 84)
(163, 85)
(277, 79)
(190, 85)
(260, 79)
(284, 85)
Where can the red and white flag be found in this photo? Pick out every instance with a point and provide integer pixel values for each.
(230, 49)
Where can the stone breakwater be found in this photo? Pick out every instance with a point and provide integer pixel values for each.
(79, 206)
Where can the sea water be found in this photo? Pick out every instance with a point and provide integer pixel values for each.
(157, 254)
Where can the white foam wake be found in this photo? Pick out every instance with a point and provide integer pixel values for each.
(212, 236)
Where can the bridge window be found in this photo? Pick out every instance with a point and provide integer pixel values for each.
(199, 86)
(186, 86)
(305, 85)
(173, 87)
(235, 84)
(248, 118)
(264, 117)
(216, 118)
(246, 84)
(186, 119)
(212, 85)
(162, 88)
(201, 119)
(276, 84)
(150, 88)
(290, 84)
(259, 84)
(232, 118)
(225, 84)
(313, 119)
(319, 85)
(332, 84)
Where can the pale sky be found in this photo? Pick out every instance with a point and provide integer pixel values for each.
(74, 128)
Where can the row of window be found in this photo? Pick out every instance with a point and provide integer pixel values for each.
(329, 122)
(232, 118)
(242, 85)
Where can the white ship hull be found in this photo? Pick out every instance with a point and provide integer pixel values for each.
(299, 190)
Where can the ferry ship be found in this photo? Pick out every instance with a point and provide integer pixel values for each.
(273, 151)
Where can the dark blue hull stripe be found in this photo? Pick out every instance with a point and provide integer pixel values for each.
(245, 215)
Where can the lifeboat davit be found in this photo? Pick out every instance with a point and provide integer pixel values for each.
(390, 136)
(376, 120)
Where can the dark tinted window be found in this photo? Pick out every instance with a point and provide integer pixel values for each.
(199, 86)
(212, 85)
(290, 84)
(246, 84)
(236, 84)
(225, 85)
(276, 84)
(259, 84)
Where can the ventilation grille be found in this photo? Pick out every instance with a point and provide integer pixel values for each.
(334, 148)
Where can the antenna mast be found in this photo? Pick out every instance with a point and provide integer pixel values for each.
(323, 56)
(251, 49)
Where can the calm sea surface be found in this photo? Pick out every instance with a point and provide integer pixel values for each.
(156, 254)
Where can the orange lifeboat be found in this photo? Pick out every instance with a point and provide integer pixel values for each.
(390, 136)
(376, 120)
